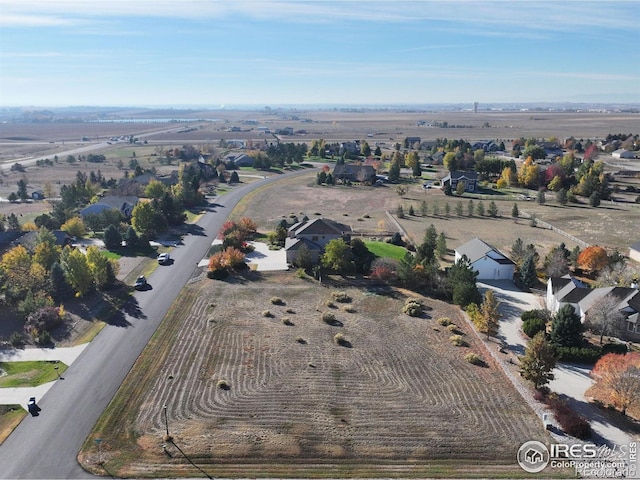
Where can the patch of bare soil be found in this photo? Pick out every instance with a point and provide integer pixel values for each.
(399, 392)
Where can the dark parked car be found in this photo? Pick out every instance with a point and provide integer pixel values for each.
(141, 283)
(34, 409)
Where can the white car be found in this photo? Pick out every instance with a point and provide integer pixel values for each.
(164, 258)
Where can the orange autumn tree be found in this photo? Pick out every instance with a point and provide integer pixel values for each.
(619, 375)
(593, 259)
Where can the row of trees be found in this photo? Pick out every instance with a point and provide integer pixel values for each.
(41, 274)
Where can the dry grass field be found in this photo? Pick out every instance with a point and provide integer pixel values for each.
(400, 400)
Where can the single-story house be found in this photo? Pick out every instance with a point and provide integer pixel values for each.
(486, 260)
(486, 145)
(38, 195)
(355, 173)
(622, 153)
(634, 252)
(124, 204)
(567, 290)
(241, 160)
(470, 180)
(315, 234)
(28, 240)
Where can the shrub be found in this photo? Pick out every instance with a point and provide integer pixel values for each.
(223, 385)
(474, 359)
(330, 304)
(290, 310)
(533, 325)
(329, 318)
(412, 307)
(453, 328)
(286, 321)
(349, 309)
(444, 321)
(276, 301)
(619, 348)
(457, 340)
(267, 314)
(531, 314)
(341, 297)
(339, 339)
(301, 341)
(43, 338)
(578, 354)
(570, 422)
(16, 340)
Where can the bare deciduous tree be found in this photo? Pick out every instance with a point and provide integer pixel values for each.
(603, 316)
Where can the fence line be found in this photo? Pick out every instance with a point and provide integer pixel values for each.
(539, 222)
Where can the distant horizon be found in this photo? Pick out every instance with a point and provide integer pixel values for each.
(465, 106)
(318, 52)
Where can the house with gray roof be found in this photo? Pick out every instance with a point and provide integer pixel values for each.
(314, 234)
(470, 180)
(490, 263)
(355, 173)
(567, 290)
(124, 204)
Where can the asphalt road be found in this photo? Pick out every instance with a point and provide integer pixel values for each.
(46, 446)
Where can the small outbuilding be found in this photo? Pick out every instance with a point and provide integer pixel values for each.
(486, 260)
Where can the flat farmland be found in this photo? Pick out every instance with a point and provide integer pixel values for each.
(365, 210)
(399, 400)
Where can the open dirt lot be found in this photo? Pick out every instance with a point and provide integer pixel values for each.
(300, 405)
(365, 210)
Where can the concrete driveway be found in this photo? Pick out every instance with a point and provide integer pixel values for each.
(571, 380)
(264, 259)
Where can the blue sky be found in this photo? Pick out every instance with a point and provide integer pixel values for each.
(264, 52)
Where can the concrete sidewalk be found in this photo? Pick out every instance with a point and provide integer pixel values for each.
(21, 395)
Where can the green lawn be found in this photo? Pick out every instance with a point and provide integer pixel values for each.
(29, 374)
(111, 255)
(385, 250)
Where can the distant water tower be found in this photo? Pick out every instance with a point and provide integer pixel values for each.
(475, 107)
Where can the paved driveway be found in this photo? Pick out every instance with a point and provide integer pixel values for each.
(571, 381)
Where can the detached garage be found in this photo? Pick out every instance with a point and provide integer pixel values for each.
(486, 260)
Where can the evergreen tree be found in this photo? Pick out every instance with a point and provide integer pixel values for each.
(59, 288)
(515, 212)
(112, 238)
(234, 177)
(517, 251)
(424, 209)
(459, 209)
(566, 328)
(394, 172)
(538, 361)
(461, 281)
(441, 246)
(330, 180)
(480, 209)
(131, 238)
(541, 197)
(493, 209)
(470, 208)
(431, 237)
(411, 211)
(447, 209)
(562, 197)
(417, 170)
(528, 271)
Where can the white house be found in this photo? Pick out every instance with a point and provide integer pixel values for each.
(567, 290)
(486, 260)
(634, 252)
(622, 153)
